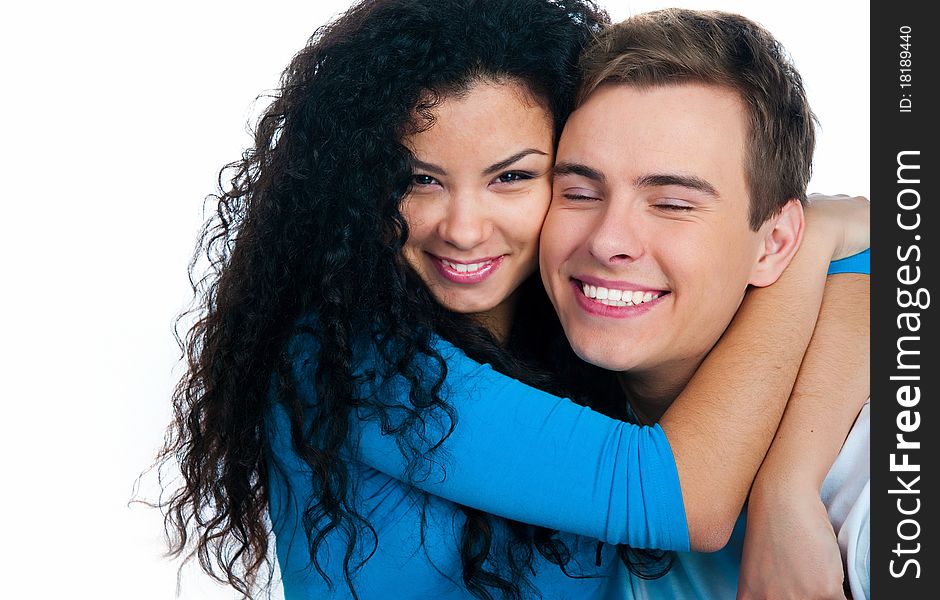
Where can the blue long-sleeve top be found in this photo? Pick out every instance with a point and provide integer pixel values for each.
(515, 452)
(857, 263)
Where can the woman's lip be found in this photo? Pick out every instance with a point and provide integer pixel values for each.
(467, 262)
(595, 307)
(454, 276)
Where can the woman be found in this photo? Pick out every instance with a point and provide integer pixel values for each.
(325, 382)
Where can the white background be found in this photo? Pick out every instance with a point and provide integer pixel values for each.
(116, 119)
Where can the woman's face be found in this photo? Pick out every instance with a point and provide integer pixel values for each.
(482, 185)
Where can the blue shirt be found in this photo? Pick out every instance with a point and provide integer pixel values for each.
(858, 263)
(516, 452)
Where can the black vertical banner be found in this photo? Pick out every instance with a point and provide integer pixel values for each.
(905, 368)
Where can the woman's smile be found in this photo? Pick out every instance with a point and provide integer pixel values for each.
(468, 271)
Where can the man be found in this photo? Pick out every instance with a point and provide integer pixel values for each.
(678, 184)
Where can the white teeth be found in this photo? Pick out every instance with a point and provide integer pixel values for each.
(612, 297)
(465, 268)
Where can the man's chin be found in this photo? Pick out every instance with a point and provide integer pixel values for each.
(605, 356)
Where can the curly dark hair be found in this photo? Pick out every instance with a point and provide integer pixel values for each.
(308, 222)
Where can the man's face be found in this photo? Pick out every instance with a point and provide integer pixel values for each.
(646, 250)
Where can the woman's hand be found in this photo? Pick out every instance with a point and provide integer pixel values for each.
(841, 221)
(790, 548)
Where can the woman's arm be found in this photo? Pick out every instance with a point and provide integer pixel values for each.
(524, 454)
(519, 453)
(789, 531)
(830, 390)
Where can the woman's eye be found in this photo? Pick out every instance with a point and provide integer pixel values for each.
(578, 197)
(424, 180)
(510, 176)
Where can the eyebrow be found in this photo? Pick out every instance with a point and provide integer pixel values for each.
(643, 181)
(493, 168)
(687, 181)
(499, 166)
(578, 169)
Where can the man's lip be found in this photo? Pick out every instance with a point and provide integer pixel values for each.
(616, 284)
(597, 308)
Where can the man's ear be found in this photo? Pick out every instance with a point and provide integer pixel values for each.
(781, 238)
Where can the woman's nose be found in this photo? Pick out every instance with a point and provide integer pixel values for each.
(466, 223)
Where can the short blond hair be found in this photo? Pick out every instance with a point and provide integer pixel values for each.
(675, 46)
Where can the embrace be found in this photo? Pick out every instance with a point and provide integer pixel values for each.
(508, 301)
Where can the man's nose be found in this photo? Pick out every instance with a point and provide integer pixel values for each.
(618, 237)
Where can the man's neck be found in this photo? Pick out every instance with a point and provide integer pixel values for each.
(651, 392)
